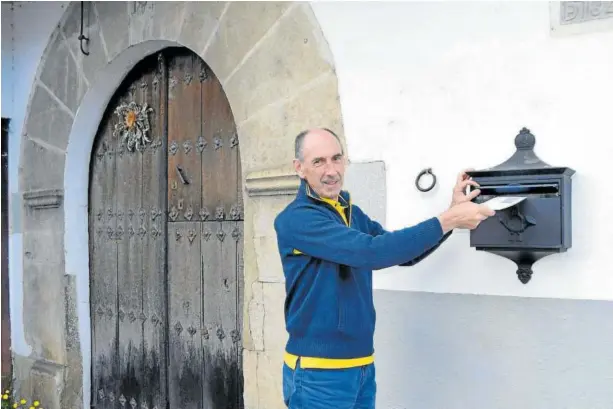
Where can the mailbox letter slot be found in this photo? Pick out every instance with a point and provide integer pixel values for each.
(528, 189)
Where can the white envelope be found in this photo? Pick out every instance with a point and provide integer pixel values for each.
(503, 202)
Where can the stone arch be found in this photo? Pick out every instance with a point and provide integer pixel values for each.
(278, 74)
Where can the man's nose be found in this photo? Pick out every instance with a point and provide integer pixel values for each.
(329, 169)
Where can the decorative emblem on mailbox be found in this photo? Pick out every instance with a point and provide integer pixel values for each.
(539, 225)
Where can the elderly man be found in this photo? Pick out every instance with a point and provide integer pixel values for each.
(328, 248)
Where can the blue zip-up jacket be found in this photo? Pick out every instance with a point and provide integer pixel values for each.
(329, 311)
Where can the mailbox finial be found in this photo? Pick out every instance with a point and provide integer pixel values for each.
(525, 140)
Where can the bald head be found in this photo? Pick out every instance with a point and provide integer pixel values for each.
(320, 161)
(315, 133)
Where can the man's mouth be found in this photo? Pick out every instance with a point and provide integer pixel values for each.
(330, 182)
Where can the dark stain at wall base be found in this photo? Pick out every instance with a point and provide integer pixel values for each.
(131, 370)
(153, 389)
(135, 381)
(202, 379)
(188, 384)
(224, 379)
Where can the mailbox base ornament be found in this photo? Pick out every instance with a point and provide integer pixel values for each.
(536, 227)
(524, 261)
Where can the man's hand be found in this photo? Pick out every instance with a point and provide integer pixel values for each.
(459, 195)
(467, 215)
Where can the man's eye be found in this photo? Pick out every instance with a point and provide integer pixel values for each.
(317, 162)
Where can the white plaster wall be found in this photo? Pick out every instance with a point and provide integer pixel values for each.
(448, 86)
(26, 27)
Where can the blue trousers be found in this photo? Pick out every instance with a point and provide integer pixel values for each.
(351, 388)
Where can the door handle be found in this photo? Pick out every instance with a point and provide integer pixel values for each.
(182, 176)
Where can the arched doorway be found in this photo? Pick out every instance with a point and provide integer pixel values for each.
(273, 93)
(166, 239)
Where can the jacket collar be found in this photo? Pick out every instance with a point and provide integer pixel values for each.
(306, 191)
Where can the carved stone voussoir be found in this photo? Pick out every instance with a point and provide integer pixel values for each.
(43, 199)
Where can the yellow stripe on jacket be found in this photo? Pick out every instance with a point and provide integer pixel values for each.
(326, 363)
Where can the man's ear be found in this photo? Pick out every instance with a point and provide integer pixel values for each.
(298, 168)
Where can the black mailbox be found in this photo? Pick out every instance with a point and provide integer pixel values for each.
(536, 227)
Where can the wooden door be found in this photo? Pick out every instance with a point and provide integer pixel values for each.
(166, 236)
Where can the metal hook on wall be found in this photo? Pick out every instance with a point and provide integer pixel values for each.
(81, 36)
(427, 171)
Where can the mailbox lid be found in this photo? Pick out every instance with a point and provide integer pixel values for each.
(523, 162)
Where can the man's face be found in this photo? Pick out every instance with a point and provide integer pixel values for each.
(323, 163)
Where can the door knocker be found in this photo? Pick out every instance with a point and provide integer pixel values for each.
(427, 171)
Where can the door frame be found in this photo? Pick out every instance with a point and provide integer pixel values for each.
(7, 364)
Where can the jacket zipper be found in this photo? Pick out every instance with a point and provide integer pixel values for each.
(348, 224)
